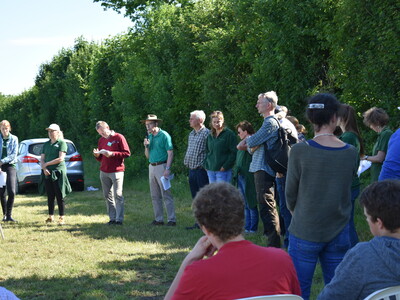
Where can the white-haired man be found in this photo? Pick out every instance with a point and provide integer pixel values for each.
(196, 154)
(264, 176)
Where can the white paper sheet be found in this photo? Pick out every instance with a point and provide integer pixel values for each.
(102, 151)
(3, 178)
(364, 165)
(166, 182)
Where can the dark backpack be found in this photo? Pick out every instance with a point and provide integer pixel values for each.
(278, 155)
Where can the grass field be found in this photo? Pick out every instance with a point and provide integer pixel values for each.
(86, 259)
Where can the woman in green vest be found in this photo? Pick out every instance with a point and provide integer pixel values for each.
(377, 119)
(245, 180)
(54, 172)
(351, 135)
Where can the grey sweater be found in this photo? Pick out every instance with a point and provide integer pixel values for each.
(366, 268)
(318, 190)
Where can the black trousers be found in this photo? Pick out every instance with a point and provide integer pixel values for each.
(264, 184)
(53, 192)
(11, 185)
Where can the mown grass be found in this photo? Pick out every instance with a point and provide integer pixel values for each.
(86, 259)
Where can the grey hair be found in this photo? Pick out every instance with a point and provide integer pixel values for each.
(199, 115)
(271, 97)
(102, 124)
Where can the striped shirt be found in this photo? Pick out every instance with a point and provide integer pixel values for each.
(196, 151)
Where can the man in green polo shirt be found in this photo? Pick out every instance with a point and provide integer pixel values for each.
(159, 151)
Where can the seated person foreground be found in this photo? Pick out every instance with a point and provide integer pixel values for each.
(373, 265)
(239, 268)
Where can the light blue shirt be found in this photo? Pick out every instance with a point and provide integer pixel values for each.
(12, 149)
(7, 295)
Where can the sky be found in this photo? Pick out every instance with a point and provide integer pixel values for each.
(33, 32)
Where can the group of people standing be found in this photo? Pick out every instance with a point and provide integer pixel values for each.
(316, 195)
(318, 191)
(53, 180)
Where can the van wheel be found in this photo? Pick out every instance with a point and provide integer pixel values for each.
(20, 189)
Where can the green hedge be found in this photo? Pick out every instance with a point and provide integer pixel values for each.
(215, 55)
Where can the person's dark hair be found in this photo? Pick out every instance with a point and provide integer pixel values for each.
(219, 207)
(245, 126)
(301, 129)
(376, 116)
(348, 119)
(216, 114)
(294, 120)
(382, 200)
(321, 108)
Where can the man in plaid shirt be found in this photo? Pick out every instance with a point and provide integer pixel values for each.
(264, 176)
(196, 154)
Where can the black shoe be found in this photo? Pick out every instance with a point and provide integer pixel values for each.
(9, 219)
(4, 218)
(156, 223)
(195, 226)
(171, 223)
(111, 223)
(118, 223)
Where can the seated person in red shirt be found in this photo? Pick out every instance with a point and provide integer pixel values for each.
(239, 268)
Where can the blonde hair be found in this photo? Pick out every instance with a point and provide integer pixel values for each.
(216, 114)
(5, 123)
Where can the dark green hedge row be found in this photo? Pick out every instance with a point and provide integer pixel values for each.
(216, 55)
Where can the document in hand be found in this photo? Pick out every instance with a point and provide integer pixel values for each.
(3, 178)
(102, 151)
(166, 182)
(364, 165)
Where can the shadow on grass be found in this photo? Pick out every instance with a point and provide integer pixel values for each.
(131, 233)
(102, 286)
(131, 273)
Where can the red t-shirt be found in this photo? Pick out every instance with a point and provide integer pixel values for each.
(117, 144)
(240, 269)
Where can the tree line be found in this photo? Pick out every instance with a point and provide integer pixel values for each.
(214, 55)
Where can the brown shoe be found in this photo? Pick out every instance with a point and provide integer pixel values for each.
(157, 223)
(50, 219)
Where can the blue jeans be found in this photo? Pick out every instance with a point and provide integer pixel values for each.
(250, 214)
(197, 179)
(305, 255)
(217, 176)
(352, 230)
(283, 210)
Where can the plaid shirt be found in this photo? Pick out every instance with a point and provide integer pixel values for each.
(258, 161)
(267, 134)
(196, 151)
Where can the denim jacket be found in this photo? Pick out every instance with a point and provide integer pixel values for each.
(12, 149)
